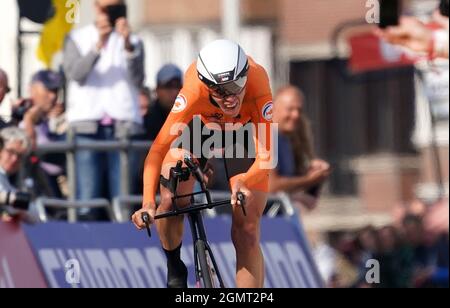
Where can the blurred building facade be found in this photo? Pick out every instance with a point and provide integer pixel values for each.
(364, 124)
(374, 127)
(174, 30)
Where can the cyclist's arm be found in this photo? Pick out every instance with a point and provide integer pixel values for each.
(171, 130)
(264, 163)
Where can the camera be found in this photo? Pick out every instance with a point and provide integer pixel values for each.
(443, 8)
(315, 191)
(16, 200)
(115, 12)
(389, 13)
(18, 113)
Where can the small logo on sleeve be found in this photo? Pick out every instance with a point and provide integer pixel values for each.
(180, 104)
(267, 111)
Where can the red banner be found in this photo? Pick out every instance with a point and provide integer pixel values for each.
(370, 53)
(18, 266)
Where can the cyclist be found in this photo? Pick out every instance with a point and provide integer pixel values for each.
(224, 86)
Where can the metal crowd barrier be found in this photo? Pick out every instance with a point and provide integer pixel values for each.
(120, 208)
(69, 148)
(41, 205)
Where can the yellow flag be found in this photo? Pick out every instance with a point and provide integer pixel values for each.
(56, 29)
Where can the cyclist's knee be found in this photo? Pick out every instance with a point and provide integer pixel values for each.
(166, 203)
(245, 236)
(172, 158)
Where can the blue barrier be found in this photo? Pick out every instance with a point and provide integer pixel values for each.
(116, 255)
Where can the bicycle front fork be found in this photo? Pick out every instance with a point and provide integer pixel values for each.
(199, 234)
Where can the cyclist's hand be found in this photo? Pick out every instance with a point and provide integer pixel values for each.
(137, 217)
(239, 187)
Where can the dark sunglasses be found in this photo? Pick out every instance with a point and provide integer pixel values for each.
(229, 89)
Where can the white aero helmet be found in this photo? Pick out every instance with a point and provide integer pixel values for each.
(223, 66)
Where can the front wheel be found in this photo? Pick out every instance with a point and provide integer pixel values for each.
(205, 268)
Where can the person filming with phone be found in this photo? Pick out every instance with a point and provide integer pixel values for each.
(104, 65)
(410, 32)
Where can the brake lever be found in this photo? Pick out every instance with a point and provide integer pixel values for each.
(146, 220)
(241, 199)
(194, 169)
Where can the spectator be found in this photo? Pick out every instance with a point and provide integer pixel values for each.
(437, 219)
(169, 83)
(406, 256)
(415, 35)
(439, 274)
(324, 256)
(298, 169)
(144, 100)
(431, 247)
(367, 241)
(396, 260)
(422, 257)
(14, 145)
(345, 274)
(415, 238)
(4, 89)
(104, 63)
(137, 158)
(366, 248)
(35, 115)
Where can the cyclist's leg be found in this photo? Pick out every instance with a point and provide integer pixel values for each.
(246, 239)
(245, 230)
(170, 230)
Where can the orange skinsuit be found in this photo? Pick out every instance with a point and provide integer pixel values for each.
(194, 100)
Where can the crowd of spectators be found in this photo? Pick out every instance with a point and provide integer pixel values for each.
(410, 253)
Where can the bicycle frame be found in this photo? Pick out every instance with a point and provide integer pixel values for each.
(199, 234)
(177, 175)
